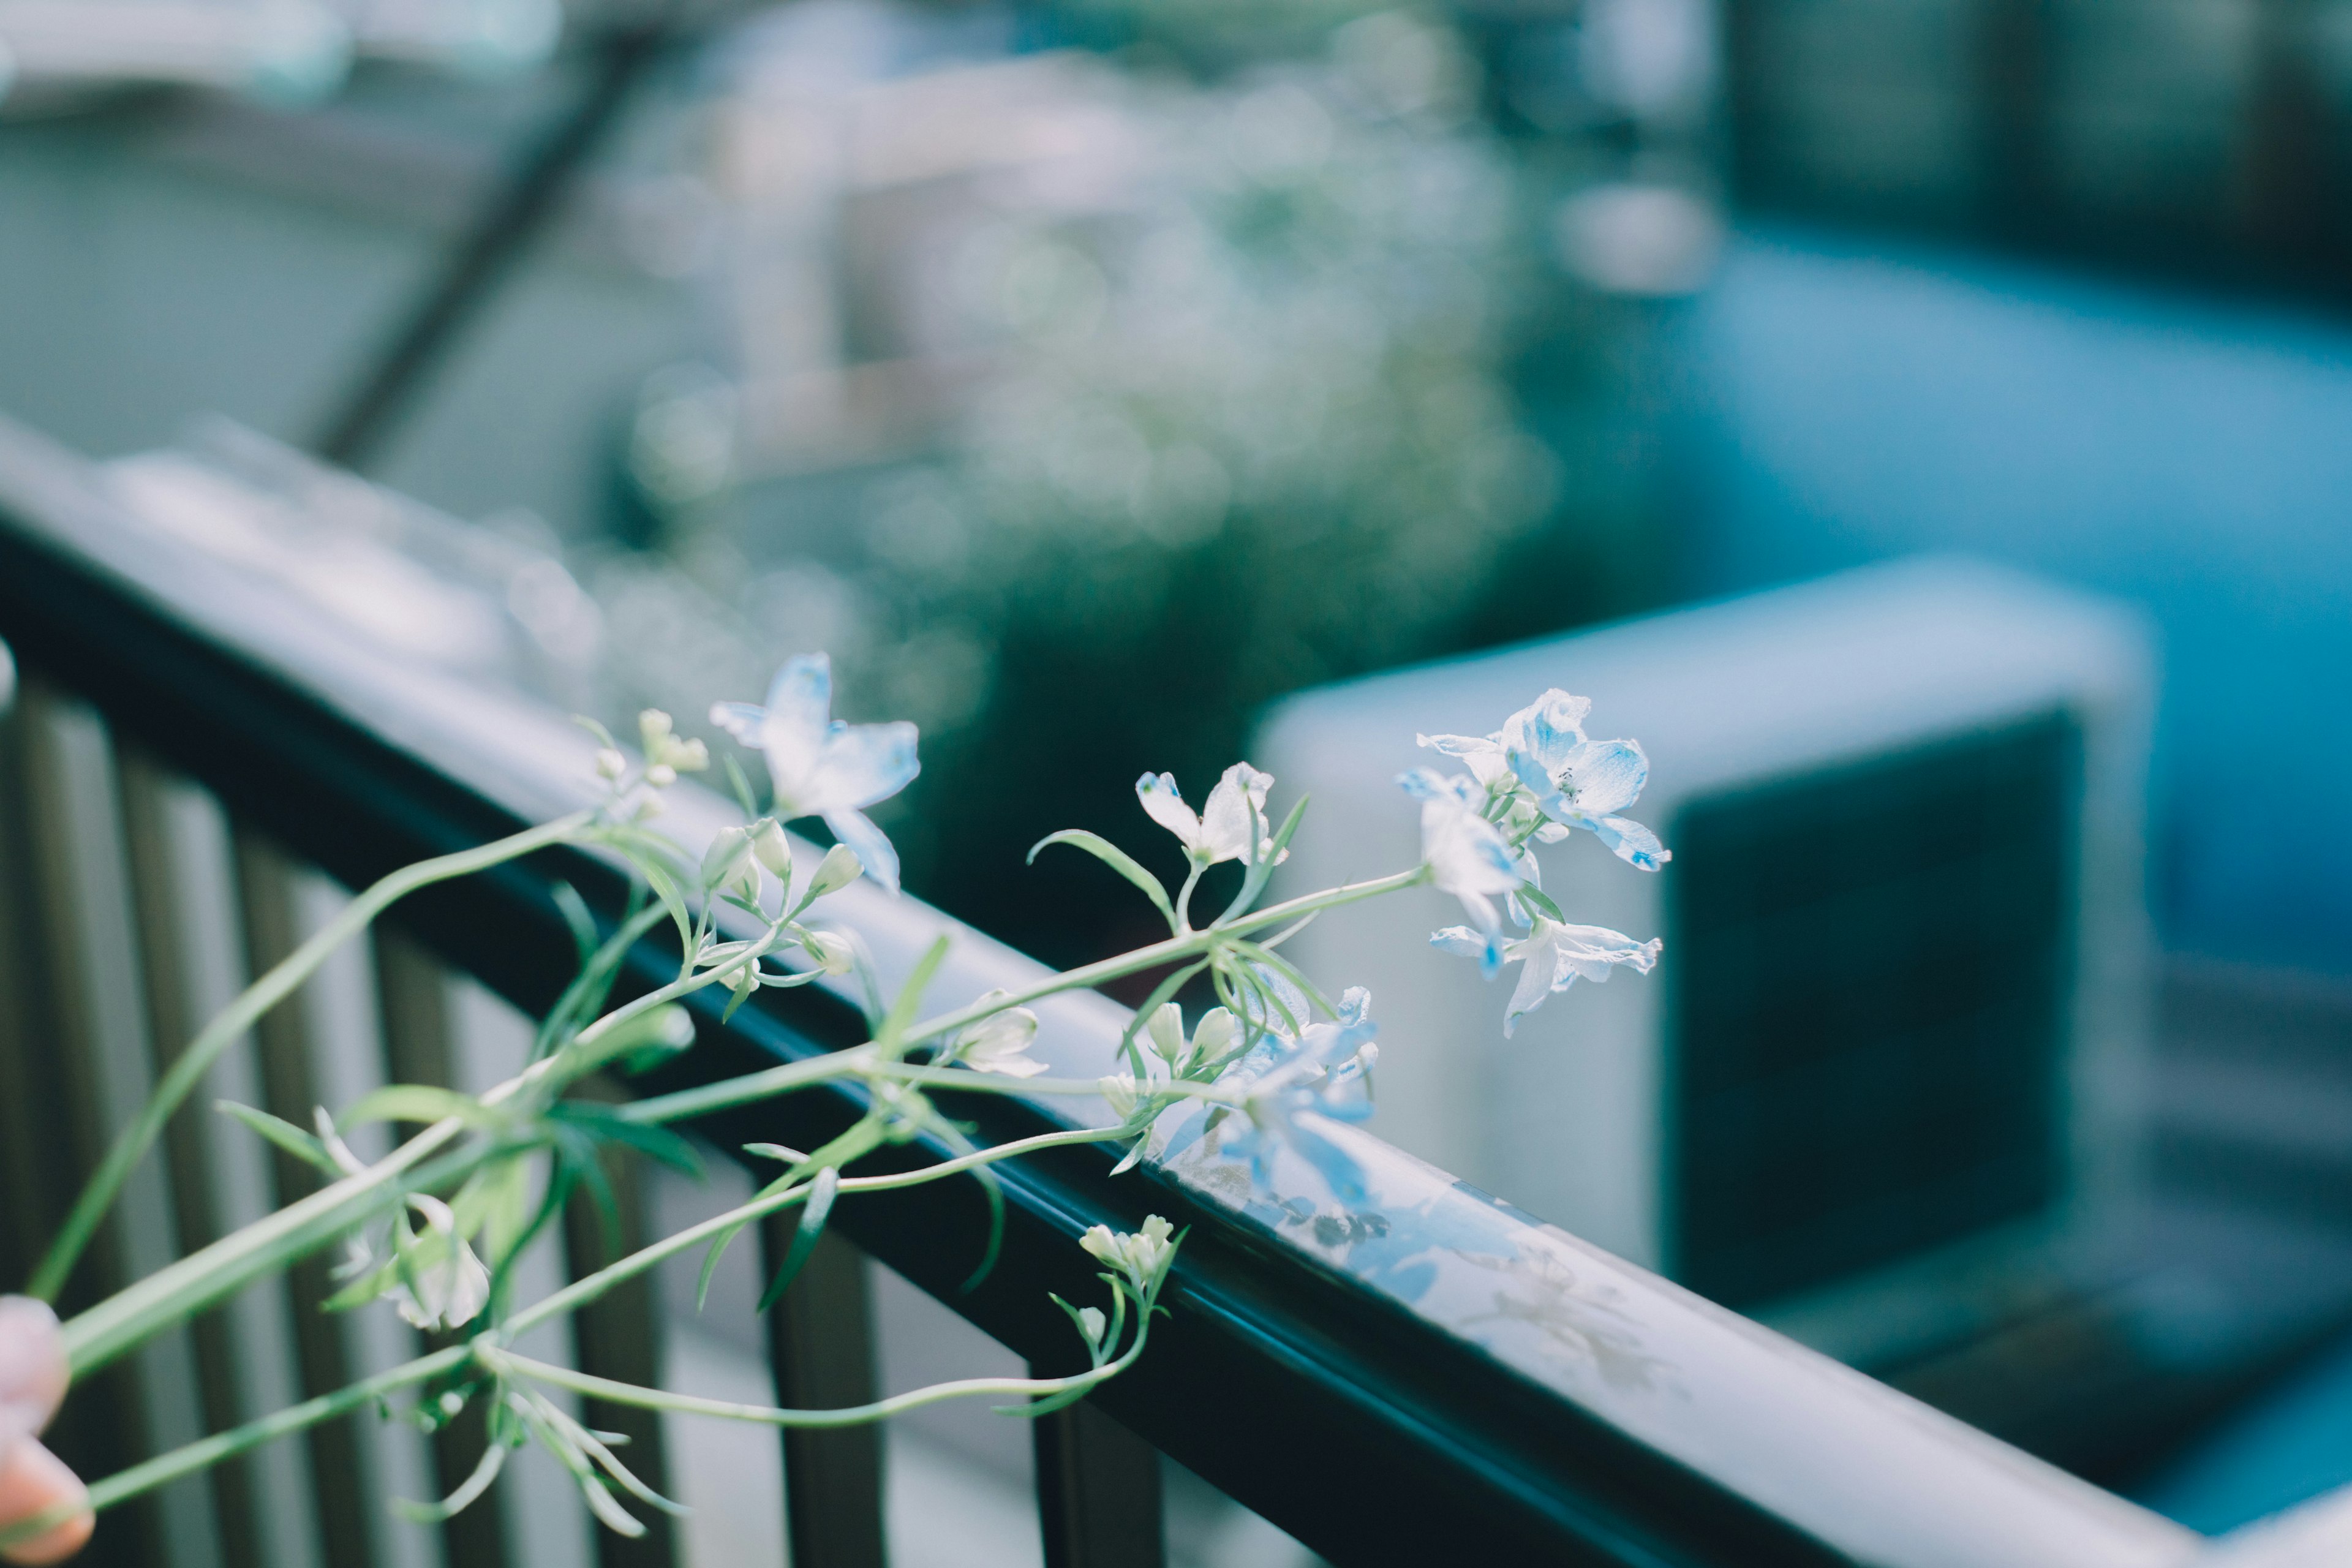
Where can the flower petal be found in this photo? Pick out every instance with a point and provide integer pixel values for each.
(1548, 729)
(1229, 820)
(868, 843)
(1632, 843)
(1166, 806)
(741, 720)
(1535, 984)
(1606, 777)
(800, 699)
(1594, 951)
(1459, 941)
(858, 764)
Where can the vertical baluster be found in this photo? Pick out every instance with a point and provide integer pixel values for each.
(1098, 1491)
(619, 1337)
(161, 902)
(84, 981)
(270, 914)
(413, 1000)
(820, 1350)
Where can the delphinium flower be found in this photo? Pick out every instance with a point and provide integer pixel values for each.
(823, 767)
(1285, 1091)
(998, 1043)
(1534, 781)
(1556, 957)
(1231, 826)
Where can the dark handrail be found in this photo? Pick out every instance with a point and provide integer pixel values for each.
(1437, 1378)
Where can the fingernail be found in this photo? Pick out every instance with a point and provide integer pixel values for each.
(32, 1365)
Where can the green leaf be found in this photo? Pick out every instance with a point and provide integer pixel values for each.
(418, 1103)
(1291, 973)
(576, 915)
(1538, 902)
(606, 1124)
(665, 888)
(911, 997)
(1255, 882)
(1117, 859)
(586, 993)
(303, 1146)
(597, 730)
(742, 785)
(813, 1215)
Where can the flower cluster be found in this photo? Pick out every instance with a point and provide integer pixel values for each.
(1534, 781)
(1139, 1259)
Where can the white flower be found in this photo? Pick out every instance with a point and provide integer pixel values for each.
(1142, 1256)
(1467, 857)
(1575, 782)
(1556, 957)
(999, 1043)
(822, 767)
(451, 1285)
(1231, 827)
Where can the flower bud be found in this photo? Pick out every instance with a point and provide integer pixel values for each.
(774, 850)
(839, 867)
(833, 953)
(610, 763)
(1216, 1034)
(653, 733)
(1119, 1092)
(661, 775)
(1167, 1032)
(1091, 1323)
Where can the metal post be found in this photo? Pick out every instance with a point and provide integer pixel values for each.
(821, 1350)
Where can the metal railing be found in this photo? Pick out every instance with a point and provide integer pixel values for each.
(190, 756)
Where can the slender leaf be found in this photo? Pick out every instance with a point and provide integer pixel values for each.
(813, 1215)
(419, 1102)
(1117, 859)
(303, 1146)
(911, 997)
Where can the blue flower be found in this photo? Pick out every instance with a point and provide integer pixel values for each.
(822, 767)
(1467, 855)
(1295, 1088)
(1231, 827)
(1542, 750)
(1556, 957)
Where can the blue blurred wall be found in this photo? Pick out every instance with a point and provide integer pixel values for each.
(2191, 457)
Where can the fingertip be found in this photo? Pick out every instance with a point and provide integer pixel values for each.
(34, 1481)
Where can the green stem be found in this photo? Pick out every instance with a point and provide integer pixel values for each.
(89, 1210)
(770, 1416)
(1184, 898)
(589, 1286)
(776, 1080)
(196, 1456)
(963, 1080)
(127, 1318)
(124, 1485)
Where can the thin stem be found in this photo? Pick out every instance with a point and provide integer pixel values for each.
(770, 1416)
(89, 1210)
(590, 1285)
(963, 1080)
(127, 1318)
(124, 1485)
(1184, 898)
(776, 1080)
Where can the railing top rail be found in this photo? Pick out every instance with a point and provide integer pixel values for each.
(1434, 1375)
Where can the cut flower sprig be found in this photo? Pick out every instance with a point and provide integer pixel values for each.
(435, 1225)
